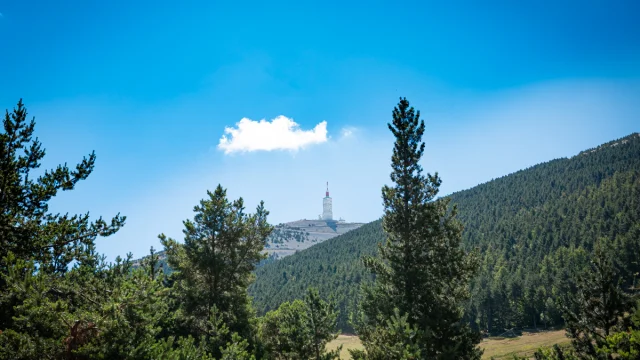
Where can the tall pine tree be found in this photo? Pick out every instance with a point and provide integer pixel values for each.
(222, 246)
(28, 231)
(422, 273)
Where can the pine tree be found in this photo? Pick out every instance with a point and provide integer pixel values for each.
(422, 272)
(396, 340)
(152, 264)
(626, 342)
(301, 329)
(214, 266)
(322, 325)
(26, 228)
(599, 308)
(30, 236)
(601, 320)
(93, 311)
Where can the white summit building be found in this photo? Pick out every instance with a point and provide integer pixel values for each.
(327, 206)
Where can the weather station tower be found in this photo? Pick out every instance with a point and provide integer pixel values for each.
(327, 211)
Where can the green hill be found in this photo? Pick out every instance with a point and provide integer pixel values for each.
(534, 230)
(331, 266)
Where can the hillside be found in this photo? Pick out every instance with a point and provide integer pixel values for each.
(533, 229)
(331, 266)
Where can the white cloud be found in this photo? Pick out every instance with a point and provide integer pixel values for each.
(347, 131)
(281, 133)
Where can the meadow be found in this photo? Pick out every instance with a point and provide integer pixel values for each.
(496, 348)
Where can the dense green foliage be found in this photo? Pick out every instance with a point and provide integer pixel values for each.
(300, 330)
(213, 268)
(28, 232)
(535, 230)
(625, 342)
(42, 310)
(601, 319)
(421, 273)
(597, 309)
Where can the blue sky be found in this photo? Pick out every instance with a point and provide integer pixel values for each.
(152, 86)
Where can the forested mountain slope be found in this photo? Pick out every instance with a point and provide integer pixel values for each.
(331, 266)
(534, 230)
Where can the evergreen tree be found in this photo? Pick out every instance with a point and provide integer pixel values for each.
(152, 264)
(600, 318)
(94, 311)
(181, 348)
(222, 246)
(301, 329)
(599, 307)
(38, 247)
(396, 340)
(321, 317)
(551, 353)
(422, 269)
(626, 342)
(27, 229)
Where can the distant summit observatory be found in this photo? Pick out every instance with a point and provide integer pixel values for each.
(288, 238)
(327, 211)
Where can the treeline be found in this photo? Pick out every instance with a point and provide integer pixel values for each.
(534, 231)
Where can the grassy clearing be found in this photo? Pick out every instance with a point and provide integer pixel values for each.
(347, 342)
(524, 345)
